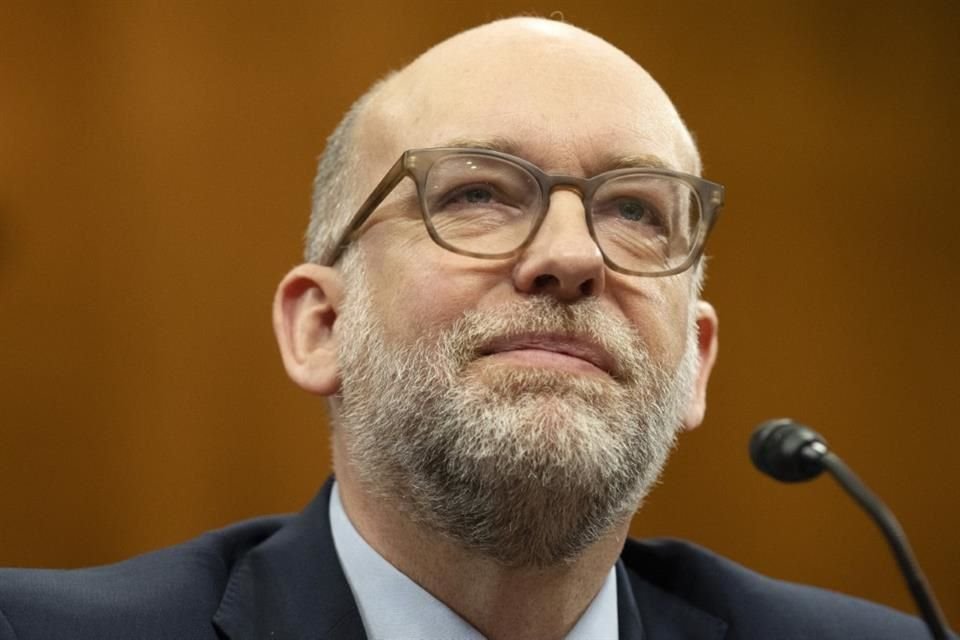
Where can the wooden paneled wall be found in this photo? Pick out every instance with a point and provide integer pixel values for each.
(155, 168)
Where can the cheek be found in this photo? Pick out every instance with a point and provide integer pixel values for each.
(421, 285)
(659, 310)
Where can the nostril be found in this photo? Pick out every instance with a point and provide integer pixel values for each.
(586, 287)
(545, 280)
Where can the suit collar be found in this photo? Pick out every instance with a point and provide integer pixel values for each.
(292, 587)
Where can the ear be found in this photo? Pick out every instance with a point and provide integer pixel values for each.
(304, 310)
(706, 319)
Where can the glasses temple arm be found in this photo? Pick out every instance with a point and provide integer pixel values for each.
(380, 192)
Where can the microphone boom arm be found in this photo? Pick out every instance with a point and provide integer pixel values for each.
(892, 531)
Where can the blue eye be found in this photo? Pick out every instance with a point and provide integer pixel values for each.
(477, 195)
(637, 211)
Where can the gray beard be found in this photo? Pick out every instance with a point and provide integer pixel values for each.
(525, 466)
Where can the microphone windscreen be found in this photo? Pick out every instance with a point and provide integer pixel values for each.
(777, 448)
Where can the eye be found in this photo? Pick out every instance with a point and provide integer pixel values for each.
(484, 196)
(479, 186)
(475, 195)
(640, 211)
(636, 211)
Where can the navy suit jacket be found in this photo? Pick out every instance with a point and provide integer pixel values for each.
(279, 578)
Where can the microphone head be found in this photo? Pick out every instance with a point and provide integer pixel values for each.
(783, 450)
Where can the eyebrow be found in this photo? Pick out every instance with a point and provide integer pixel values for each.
(641, 161)
(494, 143)
(512, 147)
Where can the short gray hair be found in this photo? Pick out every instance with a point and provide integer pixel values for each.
(335, 188)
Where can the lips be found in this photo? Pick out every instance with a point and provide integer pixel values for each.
(551, 350)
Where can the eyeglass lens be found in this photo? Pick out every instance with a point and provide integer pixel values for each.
(483, 204)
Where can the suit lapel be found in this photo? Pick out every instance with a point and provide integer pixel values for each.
(647, 612)
(292, 587)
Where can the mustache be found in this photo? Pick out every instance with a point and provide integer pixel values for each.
(585, 322)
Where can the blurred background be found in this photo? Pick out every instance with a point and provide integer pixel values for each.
(155, 169)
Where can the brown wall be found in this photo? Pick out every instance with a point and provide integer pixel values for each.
(155, 164)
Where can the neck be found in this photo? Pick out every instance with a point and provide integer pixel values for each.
(499, 601)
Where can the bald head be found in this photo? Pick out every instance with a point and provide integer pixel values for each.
(547, 91)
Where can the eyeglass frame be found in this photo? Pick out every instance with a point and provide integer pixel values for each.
(710, 198)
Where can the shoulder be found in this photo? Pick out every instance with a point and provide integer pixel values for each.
(170, 593)
(755, 606)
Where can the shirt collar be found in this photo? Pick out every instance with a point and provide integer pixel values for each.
(394, 606)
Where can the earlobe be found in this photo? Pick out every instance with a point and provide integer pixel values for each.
(304, 310)
(707, 324)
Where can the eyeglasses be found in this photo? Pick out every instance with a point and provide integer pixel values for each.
(487, 204)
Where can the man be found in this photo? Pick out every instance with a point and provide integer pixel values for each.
(510, 333)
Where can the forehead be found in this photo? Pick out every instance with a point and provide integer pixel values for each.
(566, 100)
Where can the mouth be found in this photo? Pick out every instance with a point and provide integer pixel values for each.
(551, 351)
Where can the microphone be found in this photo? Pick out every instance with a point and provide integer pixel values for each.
(791, 452)
(787, 451)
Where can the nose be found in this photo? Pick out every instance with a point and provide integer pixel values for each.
(562, 260)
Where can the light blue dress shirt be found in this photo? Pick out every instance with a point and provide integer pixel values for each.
(394, 607)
